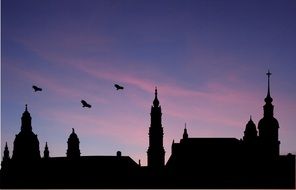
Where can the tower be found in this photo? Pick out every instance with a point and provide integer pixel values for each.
(73, 145)
(250, 134)
(26, 144)
(156, 151)
(268, 127)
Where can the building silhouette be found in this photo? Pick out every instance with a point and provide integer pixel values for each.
(156, 151)
(251, 162)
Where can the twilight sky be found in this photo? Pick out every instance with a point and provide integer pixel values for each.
(208, 59)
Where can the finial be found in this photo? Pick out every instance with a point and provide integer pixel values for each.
(250, 117)
(185, 125)
(46, 145)
(156, 102)
(6, 145)
(73, 131)
(26, 109)
(268, 98)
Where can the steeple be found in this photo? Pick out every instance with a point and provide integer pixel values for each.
(268, 107)
(155, 151)
(185, 134)
(268, 98)
(46, 151)
(268, 126)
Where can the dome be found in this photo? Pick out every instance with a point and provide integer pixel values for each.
(250, 131)
(251, 124)
(270, 122)
(73, 135)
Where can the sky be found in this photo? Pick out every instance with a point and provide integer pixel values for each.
(208, 59)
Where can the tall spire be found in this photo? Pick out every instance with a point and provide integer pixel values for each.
(268, 126)
(268, 98)
(268, 107)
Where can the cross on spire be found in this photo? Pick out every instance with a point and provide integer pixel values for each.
(268, 97)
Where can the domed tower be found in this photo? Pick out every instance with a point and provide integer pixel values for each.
(26, 144)
(73, 145)
(250, 134)
(268, 127)
(156, 151)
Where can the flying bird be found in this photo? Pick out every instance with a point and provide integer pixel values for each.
(118, 87)
(85, 104)
(36, 88)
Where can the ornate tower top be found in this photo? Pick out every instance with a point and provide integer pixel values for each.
(155, 101)
(268, 107)
(26, 120)
(268, 98)
(185, 134)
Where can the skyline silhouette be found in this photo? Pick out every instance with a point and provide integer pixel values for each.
(207, 58)
(251, 162)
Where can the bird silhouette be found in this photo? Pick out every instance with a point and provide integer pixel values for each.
(85, 104)
(36, 88)
(118, 87)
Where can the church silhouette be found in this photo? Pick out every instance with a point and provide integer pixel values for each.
(251, 162)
